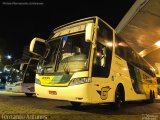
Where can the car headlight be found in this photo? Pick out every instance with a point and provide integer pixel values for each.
(37, 81)
(77, 81)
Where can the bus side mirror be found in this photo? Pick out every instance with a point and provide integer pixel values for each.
(89, 32)
(37, 46)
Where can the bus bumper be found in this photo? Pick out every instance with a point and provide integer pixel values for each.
(77, 93)
(16, 89)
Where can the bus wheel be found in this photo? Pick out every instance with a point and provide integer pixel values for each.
(76, 104)
(118, 99)
(152, 97)
(29, 94)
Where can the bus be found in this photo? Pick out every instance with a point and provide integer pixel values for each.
(4, 73)
(85, 61)
(158, 81)
(22, 76)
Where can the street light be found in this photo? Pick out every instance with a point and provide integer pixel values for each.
(9, 57)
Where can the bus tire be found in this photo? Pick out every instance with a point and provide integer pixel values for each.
(29, 94)
(119, 97)
(151, 97)
(76, 104)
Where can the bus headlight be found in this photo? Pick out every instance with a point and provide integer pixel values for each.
(37, 81)
(77, 81)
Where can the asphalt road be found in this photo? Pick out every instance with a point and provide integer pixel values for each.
(18, 106)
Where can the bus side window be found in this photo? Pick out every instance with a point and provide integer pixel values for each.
(100, 56)
(99, 61)
(103, 51)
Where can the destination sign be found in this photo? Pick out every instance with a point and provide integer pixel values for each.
(69, 31)
(77, 27)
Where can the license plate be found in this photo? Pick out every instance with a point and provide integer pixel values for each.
(52, 92)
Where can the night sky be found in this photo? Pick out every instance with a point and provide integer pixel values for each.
(19, 24)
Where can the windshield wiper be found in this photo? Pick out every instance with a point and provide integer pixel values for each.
(45, 67)
(65, 66)
(58, 56)
(64, 63)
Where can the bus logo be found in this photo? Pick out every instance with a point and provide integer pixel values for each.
(104, 92)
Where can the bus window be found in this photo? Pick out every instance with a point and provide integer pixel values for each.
(23, 67)
(103, 51)
(100, 55)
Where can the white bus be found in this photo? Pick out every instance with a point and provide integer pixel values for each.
(86, 62)
(22, 76)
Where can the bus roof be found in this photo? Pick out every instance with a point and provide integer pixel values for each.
(84, 19)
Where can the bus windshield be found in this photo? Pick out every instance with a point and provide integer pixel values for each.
(67, 54)
(15, 74)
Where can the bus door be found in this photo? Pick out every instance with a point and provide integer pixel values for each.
(100, 73)
(102, 63)
(29, 78)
